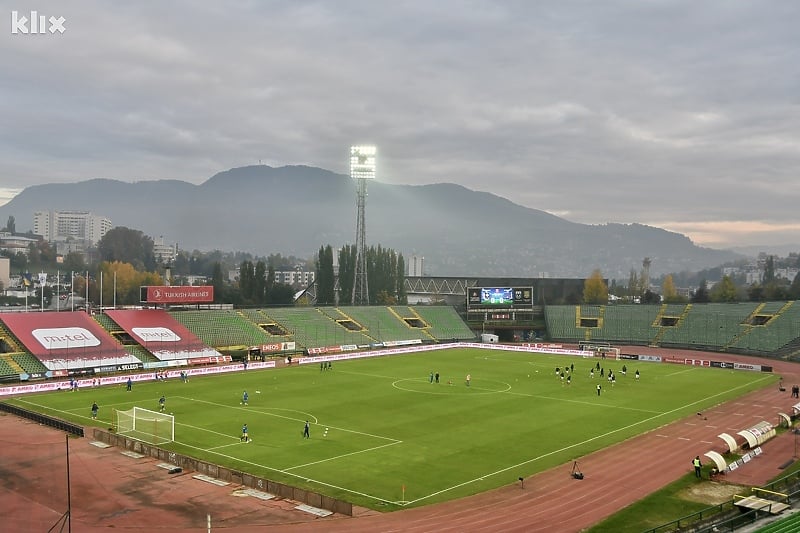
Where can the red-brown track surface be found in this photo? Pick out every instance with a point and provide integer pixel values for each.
(112, 492)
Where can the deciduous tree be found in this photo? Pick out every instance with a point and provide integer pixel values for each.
(724, 291)
(668, 291)
(128, 246)
(595, 290)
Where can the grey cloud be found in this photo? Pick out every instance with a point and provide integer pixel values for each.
(622, 111)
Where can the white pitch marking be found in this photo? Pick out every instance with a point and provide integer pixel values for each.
(343, 455)
(571, 446)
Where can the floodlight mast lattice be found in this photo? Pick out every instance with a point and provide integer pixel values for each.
(362, 169)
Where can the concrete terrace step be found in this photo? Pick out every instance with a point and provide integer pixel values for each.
(760, 504)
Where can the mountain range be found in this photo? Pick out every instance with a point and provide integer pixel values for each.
(293, 210)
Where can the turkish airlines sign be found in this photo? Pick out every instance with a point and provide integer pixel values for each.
(164, 294)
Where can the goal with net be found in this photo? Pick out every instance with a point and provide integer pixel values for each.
(600, 349)
(145, 425)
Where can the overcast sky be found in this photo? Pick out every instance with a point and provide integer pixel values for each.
(679, 114)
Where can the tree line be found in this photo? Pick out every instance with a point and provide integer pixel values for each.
(385, 276)
(727, 289)
(124, 260)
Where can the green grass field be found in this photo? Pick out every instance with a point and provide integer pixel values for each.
(393, 438)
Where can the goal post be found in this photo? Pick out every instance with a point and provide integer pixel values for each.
(600, 349)
(146, 425)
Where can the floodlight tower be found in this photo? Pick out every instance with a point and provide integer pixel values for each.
(362, 169)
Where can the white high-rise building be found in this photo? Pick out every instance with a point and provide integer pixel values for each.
(164, 253)
(5, 272)
(61, 225)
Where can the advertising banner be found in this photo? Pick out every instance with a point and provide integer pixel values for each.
(165, 294)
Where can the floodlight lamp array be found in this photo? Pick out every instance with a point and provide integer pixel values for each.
(362, 162)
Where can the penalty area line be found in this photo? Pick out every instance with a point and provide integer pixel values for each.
(286, 473)
(345, 455)
(261, 411)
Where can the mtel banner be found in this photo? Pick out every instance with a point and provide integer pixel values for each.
(167, 294)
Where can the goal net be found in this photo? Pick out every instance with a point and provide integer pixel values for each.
(145, 425)
(601, 349)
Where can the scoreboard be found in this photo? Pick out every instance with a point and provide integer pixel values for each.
(485, 297)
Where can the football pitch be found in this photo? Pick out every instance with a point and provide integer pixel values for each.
(382, 435)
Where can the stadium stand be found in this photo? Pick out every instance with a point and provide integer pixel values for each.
(444, 323)
(628, 324)
(267, 324)
(343, 319)
(313, 328)
(788, 524)
(412, 319)
(381, 324)
(222, 328)
(769, 329)
(40, 351)
(29, 363)
(710, 326)
(562, 322)
(8, 367)
(140, 353)
(107, 322)
(9, 339)
(590, 319)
